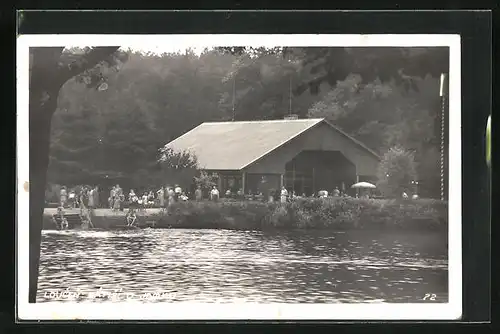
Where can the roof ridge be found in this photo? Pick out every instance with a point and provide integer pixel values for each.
(266, 121)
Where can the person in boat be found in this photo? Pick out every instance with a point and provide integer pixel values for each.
(214, 194)
(63, 196)
(60, 220)
(284, 195)
(131, 217)
(198, 194)
(228, 193)
(239, 193)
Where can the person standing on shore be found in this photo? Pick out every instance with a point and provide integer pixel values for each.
(111, 198)
(198, 194)
(178, 192)
(72, 199)
(63, 196)
(96, 196)
(161, 197)
(214, 194)
(91, 197)
(171, 195)
(133, 199)
(284, 194)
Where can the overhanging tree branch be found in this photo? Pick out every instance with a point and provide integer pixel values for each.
(87, 61)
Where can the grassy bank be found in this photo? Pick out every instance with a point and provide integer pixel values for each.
(331, 213)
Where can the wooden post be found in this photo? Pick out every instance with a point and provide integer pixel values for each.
(282, 183)
(313, 183)
(243, 182)
(357, 189)
(219, 183)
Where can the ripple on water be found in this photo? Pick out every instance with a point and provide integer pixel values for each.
(229, 266)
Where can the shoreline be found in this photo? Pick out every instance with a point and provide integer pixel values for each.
(310, 214)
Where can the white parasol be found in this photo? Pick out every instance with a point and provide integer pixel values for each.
(363, 185)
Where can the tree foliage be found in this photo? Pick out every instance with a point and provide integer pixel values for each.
(178, 167)
(320, 65)
(114, 135)
(396, 171)
(205, 180)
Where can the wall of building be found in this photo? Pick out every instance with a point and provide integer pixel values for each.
(321, 137)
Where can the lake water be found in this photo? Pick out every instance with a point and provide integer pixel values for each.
(239, 266)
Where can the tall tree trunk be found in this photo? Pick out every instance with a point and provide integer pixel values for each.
(39, 141)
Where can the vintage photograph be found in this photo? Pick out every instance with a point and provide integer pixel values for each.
(271, 176)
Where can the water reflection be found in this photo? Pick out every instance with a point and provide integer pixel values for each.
(235, 266)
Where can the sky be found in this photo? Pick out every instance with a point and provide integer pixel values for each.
(159, 49)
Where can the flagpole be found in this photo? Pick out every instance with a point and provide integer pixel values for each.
(442, 94)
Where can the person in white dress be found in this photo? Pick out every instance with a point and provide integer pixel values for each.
(284, 195)
(214, 194)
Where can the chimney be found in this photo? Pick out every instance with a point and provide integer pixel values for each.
(291, 117)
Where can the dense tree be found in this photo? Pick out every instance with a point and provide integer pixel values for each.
(150, 101)
(382, 95)
(396, 172)
(319, 65)
(178, 167)
(384, 115)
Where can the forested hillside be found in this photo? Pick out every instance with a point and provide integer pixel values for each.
(104, 137)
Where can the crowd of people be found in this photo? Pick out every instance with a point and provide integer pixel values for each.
(89, 197)
(85, 197)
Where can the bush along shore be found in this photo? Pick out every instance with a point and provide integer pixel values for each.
(330, 213)
(318, 213)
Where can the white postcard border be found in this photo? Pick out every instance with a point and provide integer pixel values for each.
(194, 311)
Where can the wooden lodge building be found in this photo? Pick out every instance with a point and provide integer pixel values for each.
(304, 155)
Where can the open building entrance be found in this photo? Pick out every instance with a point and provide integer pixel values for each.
(312, 171)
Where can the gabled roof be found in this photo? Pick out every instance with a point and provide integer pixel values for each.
(235, 145)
